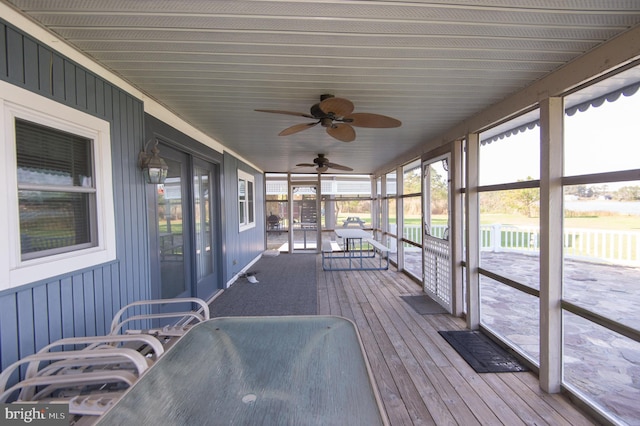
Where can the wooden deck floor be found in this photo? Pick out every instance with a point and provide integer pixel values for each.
(421, 379)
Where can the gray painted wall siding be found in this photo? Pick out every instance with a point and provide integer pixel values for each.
(35, 315)
(241, 247)
(82, 302)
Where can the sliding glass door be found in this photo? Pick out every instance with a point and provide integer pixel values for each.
(204, 218)
(185, 228)
(172, 276)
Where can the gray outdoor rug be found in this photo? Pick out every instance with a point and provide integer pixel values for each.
(424, 305)
(286, 286)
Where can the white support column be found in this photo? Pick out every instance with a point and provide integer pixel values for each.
(455, 234)
(384, 225)
(374, 205)
(290, 226)
(399, 217)
(551, 163)
(318, 213)
(472, 232)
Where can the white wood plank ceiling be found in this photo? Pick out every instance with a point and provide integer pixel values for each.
(430, 64)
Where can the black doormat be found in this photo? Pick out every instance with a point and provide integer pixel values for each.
(481, 353)
(424, 305)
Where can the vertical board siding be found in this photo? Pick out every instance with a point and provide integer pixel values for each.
(24, 300)
(98, 307)
(54, 314)
(15, 57)
(56, 75)
(31, 68)
(3, 50)
(8, 330)
(45, 67)
(40, 316)
(82, 302)
(245, 246)
(66, 302)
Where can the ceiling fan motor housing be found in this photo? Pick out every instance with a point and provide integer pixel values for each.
(317, 112)
(326, 118)
(320, 160)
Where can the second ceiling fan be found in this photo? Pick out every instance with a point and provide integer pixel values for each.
(337, 116)
(322, 164)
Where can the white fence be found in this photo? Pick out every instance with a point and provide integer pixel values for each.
(620, 247)
(414, 232)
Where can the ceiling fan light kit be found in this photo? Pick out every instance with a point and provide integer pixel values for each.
(337, 117)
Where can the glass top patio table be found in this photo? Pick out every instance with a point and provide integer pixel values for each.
(291, 370)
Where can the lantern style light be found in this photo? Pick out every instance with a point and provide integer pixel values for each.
(152, 165)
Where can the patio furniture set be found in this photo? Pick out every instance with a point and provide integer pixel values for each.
(356, 252)
(238, 370)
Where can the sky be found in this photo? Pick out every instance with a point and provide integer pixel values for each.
(602, 139)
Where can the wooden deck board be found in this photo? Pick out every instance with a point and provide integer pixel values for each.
(430, 409)
(558, 402)
(382, 363)
(421, 379)
(442, 400)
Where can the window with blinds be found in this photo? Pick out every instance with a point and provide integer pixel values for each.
(56, 190)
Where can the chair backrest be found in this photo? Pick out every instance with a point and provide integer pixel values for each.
(56, 365)
(185, 318)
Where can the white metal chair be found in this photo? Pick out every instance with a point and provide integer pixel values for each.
(147, 346)
(90, 377)
(166, 334)
(70, 377)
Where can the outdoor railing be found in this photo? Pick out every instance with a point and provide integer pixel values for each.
(620, 247)
(414, 233)
(614, 246)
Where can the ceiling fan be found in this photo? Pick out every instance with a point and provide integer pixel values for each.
(337, 116)
(322, 164)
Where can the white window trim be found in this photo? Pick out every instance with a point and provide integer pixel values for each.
(247, 225)
(16, 102)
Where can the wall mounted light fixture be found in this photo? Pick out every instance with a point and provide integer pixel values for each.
(153, 167)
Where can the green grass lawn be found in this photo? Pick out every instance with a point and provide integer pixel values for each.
(587, 221)
(590, 221)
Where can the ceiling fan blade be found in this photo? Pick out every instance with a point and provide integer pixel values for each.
(365, 119)
(322, 169)
(297, 128)
(277, 111)
(342, 131)
(339, 167)
(306, 165)
(338, 106)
